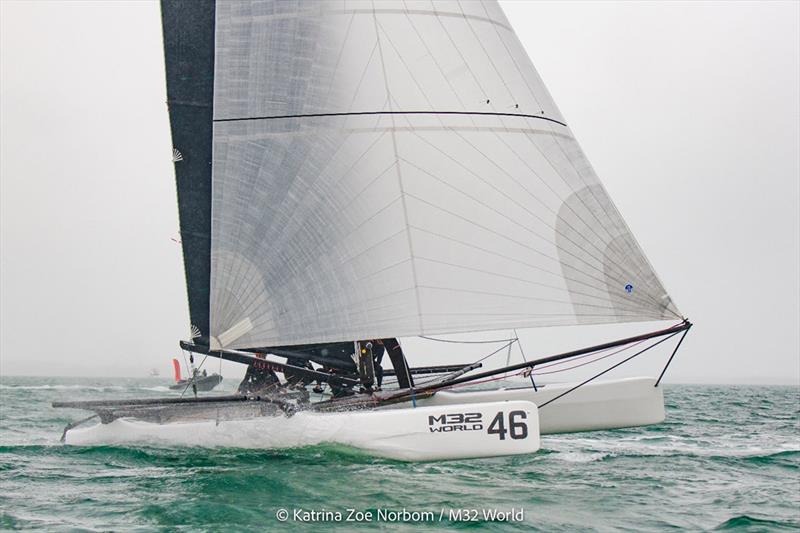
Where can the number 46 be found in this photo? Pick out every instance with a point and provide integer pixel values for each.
(517, 429)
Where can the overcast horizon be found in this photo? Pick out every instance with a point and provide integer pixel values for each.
(689, 113)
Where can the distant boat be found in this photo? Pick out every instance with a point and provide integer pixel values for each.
(203, 382)
(153, 373)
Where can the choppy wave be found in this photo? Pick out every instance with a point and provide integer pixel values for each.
(744, 522)
(725, 459)
(671, 446)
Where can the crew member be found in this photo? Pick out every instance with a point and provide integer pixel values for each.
(399, 363)
(258, 379)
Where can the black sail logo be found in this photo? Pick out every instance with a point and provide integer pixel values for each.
(448, 422)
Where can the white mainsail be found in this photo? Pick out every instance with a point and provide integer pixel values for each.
(398, 168)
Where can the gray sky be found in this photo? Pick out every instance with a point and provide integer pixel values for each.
(690, 113)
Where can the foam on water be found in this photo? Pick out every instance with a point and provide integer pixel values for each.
(302, 429)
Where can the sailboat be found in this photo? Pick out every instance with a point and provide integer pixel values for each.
(353, 171)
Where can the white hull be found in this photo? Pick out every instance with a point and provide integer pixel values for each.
(595, 406)
(421, 434)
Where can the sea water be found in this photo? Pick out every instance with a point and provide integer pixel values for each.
(726, 458)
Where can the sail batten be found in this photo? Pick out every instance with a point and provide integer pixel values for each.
(392, 112)
(385, 169)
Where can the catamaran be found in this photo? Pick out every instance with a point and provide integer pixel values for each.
(353, 171)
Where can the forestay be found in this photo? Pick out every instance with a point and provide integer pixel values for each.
(396, 169)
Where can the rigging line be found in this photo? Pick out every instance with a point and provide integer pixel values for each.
(367, 113)
(525, 359)
(466, 342)
(673, 355)
(670, 331)
(192, 380)
(496, 351)
(185, 362)
(499, 378)
(503, 347)
(576, 358)
(438, 378)
(608, 369)
(586, 362)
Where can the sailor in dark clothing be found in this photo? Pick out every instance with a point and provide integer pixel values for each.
(335, 358)
(378, 350)
(292, 377)
(258, 379)
(392, 346)
(379, 347)
(399, 363)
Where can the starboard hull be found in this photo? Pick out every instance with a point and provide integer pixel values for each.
(430, 433)
(598, 405)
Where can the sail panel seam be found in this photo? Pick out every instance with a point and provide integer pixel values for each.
(397, 169)
(366, 113)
